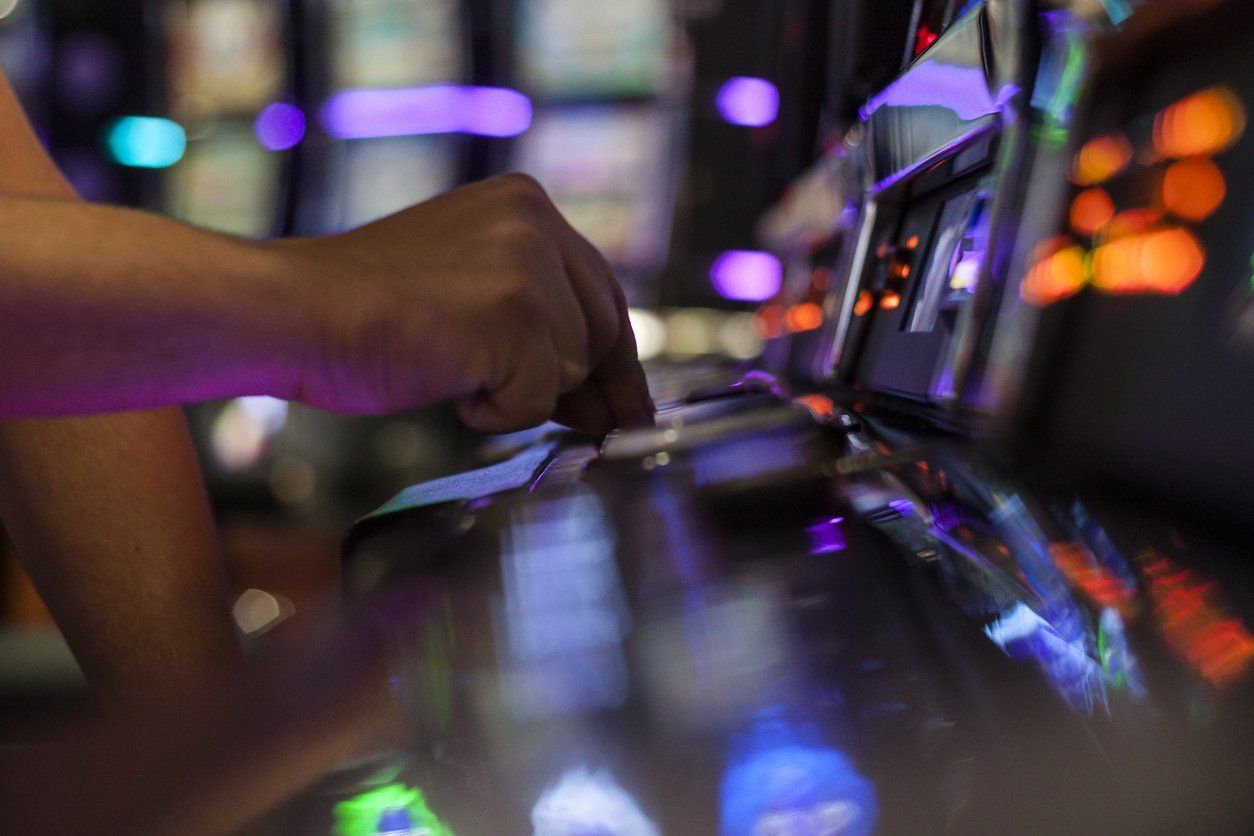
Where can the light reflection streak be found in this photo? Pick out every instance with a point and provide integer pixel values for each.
(564, 613)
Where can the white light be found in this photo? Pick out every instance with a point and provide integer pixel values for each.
(650, 332)
(691, 331)
(739, 337)
(7, 7)
(269, 413)
(589, 802)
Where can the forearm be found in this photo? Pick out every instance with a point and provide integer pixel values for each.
(107, 309)
(112, 523)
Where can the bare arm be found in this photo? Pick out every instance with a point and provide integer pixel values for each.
(110, 517)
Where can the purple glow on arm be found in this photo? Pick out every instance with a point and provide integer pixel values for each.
(746, 275)
(752, 102)
(436, 109)
(280, 126)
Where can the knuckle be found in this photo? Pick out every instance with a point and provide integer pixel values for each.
(522, 192)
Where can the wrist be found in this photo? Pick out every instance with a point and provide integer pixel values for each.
(290, 306)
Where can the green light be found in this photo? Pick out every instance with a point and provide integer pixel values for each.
(146, 142)
(359, 815)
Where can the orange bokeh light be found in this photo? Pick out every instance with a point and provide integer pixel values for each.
(1091, 210)
(804, 317)
(820, 405)
(1204, 123)
(1101, 159)
(1132, 222)
(864, 304)
(1193, 189)
(770, 321)
(912, 242)
(1163, 261)
(890, 301)
(1055, 276)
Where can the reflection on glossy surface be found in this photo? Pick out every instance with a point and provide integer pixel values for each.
(782, 781)
(388, 809)
(1023, 634)
(583, 803)
(563, 616)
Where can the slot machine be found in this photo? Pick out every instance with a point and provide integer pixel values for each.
(929, 584)
(387, 81)
(606, 85)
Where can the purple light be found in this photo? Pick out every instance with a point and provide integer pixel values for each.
(437, 109)
(280, 126)
(747, 276)
(964, 90)
(752, 102)
(827, 536)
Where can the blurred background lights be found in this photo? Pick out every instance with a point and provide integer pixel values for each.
(279, 126)
(243, 428)
(1055, 275)
(1091, 210)
(7, 7)
(691, 331)
(257, 611)
(751, 102)
(1101, 159)
(1204, 123)
(1163, 261)
(747, 275)
(435, 109)
(1193, 189)
(739, 338)
(650, 332)
(146, 142)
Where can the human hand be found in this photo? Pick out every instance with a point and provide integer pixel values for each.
(485, 295)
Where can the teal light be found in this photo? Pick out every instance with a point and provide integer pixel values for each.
(146, 142)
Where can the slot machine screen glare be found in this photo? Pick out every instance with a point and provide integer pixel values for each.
(574, 49)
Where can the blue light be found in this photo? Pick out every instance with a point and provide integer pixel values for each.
(146, 142)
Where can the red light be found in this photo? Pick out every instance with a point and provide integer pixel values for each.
(821, 405)
(925, 38)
